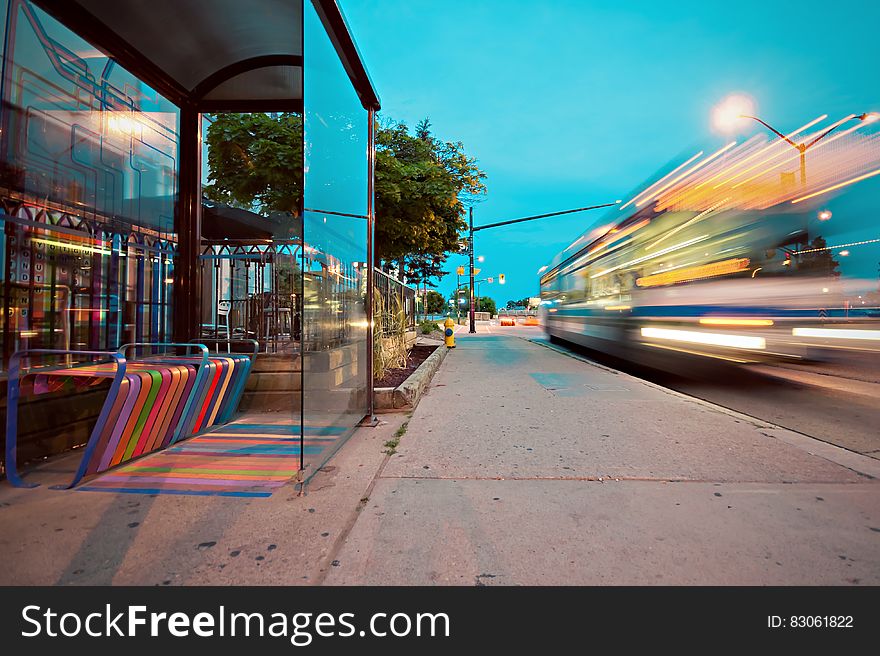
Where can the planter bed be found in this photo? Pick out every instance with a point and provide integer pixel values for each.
(401, 389)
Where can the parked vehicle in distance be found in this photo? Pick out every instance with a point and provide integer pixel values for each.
(505, 318)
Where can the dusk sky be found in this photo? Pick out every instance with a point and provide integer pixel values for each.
(567, 104)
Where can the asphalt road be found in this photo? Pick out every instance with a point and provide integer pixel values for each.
(836, 401)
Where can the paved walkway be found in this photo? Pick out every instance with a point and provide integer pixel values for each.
(526, 466)
(521, 465)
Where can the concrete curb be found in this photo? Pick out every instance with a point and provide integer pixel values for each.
(406, 395)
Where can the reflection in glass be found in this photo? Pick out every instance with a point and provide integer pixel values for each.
(88, 181)
(335, 385)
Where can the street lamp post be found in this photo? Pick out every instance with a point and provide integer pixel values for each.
(458, 273)
(473, 323)
(804, 146)
(473, 327)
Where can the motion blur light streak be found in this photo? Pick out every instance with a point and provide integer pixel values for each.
(709, 339)
(743, 258)
(650, 257)
(837, 186)
(724, 321)
(696, 166)
(671, 173)
(694, 273)
(685, 225)
(767, 147)
(837, 333)
(795, 156)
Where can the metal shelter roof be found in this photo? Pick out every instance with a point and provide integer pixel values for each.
(214, 54)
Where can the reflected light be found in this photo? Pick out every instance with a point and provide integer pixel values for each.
(824, 215)
(711, 339)
(843, 253)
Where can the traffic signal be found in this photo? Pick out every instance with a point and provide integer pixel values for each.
(500, 278)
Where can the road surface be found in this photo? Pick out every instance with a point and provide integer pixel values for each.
(836, 401)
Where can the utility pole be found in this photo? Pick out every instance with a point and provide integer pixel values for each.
(473, 327)
(472, 230)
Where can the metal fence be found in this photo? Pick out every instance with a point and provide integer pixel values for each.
(392, 291)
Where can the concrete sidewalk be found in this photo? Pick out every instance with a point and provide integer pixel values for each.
(523, 465)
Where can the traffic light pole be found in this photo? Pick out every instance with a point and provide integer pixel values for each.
(457, 304)
(473, 326)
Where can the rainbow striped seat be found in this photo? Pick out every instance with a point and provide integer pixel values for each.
(153, 403)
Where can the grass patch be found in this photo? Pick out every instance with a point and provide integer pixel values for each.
(391, 445)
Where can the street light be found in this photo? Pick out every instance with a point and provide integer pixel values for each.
(489, 280)
(727, 114)
(459, 271)
(472, 230)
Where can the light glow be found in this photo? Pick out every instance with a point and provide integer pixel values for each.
(728, 114)
(837, 333)
(710, 339)
(725, 321)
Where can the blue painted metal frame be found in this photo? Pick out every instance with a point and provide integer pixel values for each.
(13, 393)
(203, 365)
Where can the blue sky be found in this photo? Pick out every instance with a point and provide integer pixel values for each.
(567, 104)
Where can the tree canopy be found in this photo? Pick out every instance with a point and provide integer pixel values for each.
(419, 179)
(255, 162)
(818, 259)
(434, 302)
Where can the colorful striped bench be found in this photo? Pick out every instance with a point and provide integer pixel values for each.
(153, 402)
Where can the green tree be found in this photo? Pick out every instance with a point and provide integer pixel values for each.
(486, 304)
(422, 269)
(255, 161)
(418, 182)
(818, 260)
(434, 302)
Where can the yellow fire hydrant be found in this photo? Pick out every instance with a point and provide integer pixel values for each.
(449, 332)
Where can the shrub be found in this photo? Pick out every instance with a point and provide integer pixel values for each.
(428, 327)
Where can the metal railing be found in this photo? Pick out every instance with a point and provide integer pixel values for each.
(394, 294)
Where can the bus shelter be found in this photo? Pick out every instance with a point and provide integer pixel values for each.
(108, 239)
